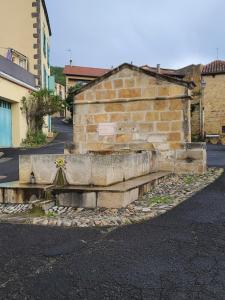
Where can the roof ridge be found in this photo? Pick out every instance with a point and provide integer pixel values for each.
(136, 68)
(214, 67)
(86, 67)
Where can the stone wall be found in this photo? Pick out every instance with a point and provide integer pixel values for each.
(189, 159)
(214, 104)
(147, 112)
(195, 121)
(193, 73)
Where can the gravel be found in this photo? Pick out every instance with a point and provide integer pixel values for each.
(171, 191)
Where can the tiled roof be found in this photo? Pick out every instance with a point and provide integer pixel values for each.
(168, 72)
(17, 72)
(111, 72)
(84, 71)
(215, 67)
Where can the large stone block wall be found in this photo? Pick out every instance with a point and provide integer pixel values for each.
(195, 121)
(214, 104)
(189, 159)
(148, 113)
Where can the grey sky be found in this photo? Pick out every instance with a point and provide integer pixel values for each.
(105, 33)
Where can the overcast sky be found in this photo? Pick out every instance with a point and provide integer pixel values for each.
(105, 33)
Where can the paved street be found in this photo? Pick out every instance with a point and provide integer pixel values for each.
(9, 164)
(216, 155)
(178, 255)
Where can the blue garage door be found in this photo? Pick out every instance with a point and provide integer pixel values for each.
(5, 124)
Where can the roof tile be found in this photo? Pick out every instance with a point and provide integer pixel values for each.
(84, 71)
(215, 67)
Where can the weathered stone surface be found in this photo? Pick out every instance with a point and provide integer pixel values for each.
(13, 196)
(213, 102)
(73, 199)
(1, 196)
(100, 170)
(112, 107)
(107, 169)
(131, 98)
(78, 169)
(118, 83)
(195, 154)
(171, 116)
(101, 118)
(161, 105)
(116, 199)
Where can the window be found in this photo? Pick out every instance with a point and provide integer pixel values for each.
(223, 129)
(5, 104)
(48, 55)
(44, 43)
(82, 82)
(45, 78)
(22, 63)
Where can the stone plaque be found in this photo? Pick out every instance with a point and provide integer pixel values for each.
(105, 129)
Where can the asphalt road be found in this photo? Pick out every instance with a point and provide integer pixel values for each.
(9, 163)
(216, 155)
(176, 256)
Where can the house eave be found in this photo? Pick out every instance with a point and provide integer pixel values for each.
(188, 84)
(16, 81)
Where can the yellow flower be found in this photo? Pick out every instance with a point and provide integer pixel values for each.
(60, 163)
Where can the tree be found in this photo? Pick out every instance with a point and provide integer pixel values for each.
(69, 99)
(59, 76)
(38, 105)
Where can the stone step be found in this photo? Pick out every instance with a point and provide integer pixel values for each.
(118, 187)
(114, 196)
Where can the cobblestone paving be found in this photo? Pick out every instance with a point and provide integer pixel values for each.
(166, 195)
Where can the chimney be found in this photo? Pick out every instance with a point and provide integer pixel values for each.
(71, 62)
(158, 68)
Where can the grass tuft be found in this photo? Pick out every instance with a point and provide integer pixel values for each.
(160, 200)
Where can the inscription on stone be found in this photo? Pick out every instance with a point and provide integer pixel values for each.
(105, 129)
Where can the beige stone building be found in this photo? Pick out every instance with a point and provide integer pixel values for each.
(207, 105)
(131, 129)
(130, 108)
(213, 107)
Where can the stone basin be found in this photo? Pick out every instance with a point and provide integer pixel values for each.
(88, 169)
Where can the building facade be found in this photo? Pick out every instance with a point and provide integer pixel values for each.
(60, 91)
(213, 108)
(26, 38)
(15, 83)
(25, 43)
(207, 106)
(81, 75)
(133, 109)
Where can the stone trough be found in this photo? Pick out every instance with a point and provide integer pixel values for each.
(91, 180)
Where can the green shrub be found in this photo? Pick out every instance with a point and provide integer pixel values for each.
(35, 139)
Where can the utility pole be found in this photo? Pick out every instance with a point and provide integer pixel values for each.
(70, 55)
